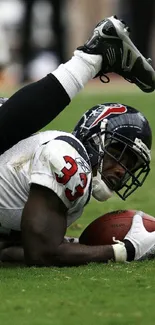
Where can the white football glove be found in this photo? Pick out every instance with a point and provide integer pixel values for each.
(142, 240)
(150, 255)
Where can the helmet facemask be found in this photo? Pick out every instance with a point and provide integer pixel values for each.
(132, 156)
(114, 146)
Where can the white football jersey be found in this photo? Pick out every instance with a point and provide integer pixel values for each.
(53, 159)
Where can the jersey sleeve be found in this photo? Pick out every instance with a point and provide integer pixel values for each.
(58, 166)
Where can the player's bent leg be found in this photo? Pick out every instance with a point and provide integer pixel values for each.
(34, 106)
(30, 109)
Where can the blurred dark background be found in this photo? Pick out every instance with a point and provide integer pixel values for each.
(37, 35)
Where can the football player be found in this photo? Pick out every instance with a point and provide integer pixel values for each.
(109, 49)
(48, 178)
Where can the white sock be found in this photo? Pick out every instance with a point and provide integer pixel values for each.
(74, 74)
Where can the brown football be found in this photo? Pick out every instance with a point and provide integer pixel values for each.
(113, 224)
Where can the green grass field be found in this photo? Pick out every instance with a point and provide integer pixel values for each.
(110, 294)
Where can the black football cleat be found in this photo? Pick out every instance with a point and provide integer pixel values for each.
(111, 39)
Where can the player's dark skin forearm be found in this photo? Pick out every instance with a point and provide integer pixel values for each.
(43, 227)
(67, 254)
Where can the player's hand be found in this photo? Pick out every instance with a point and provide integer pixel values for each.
(141, 239)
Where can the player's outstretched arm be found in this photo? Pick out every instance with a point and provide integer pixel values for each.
(43, 238)
(44, 225)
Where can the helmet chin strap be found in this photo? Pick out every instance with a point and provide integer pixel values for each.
(100, 190)
(101, 144)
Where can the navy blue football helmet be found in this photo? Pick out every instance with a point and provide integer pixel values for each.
(117, 130)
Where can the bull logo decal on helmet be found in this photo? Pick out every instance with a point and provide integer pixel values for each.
(109, 111)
